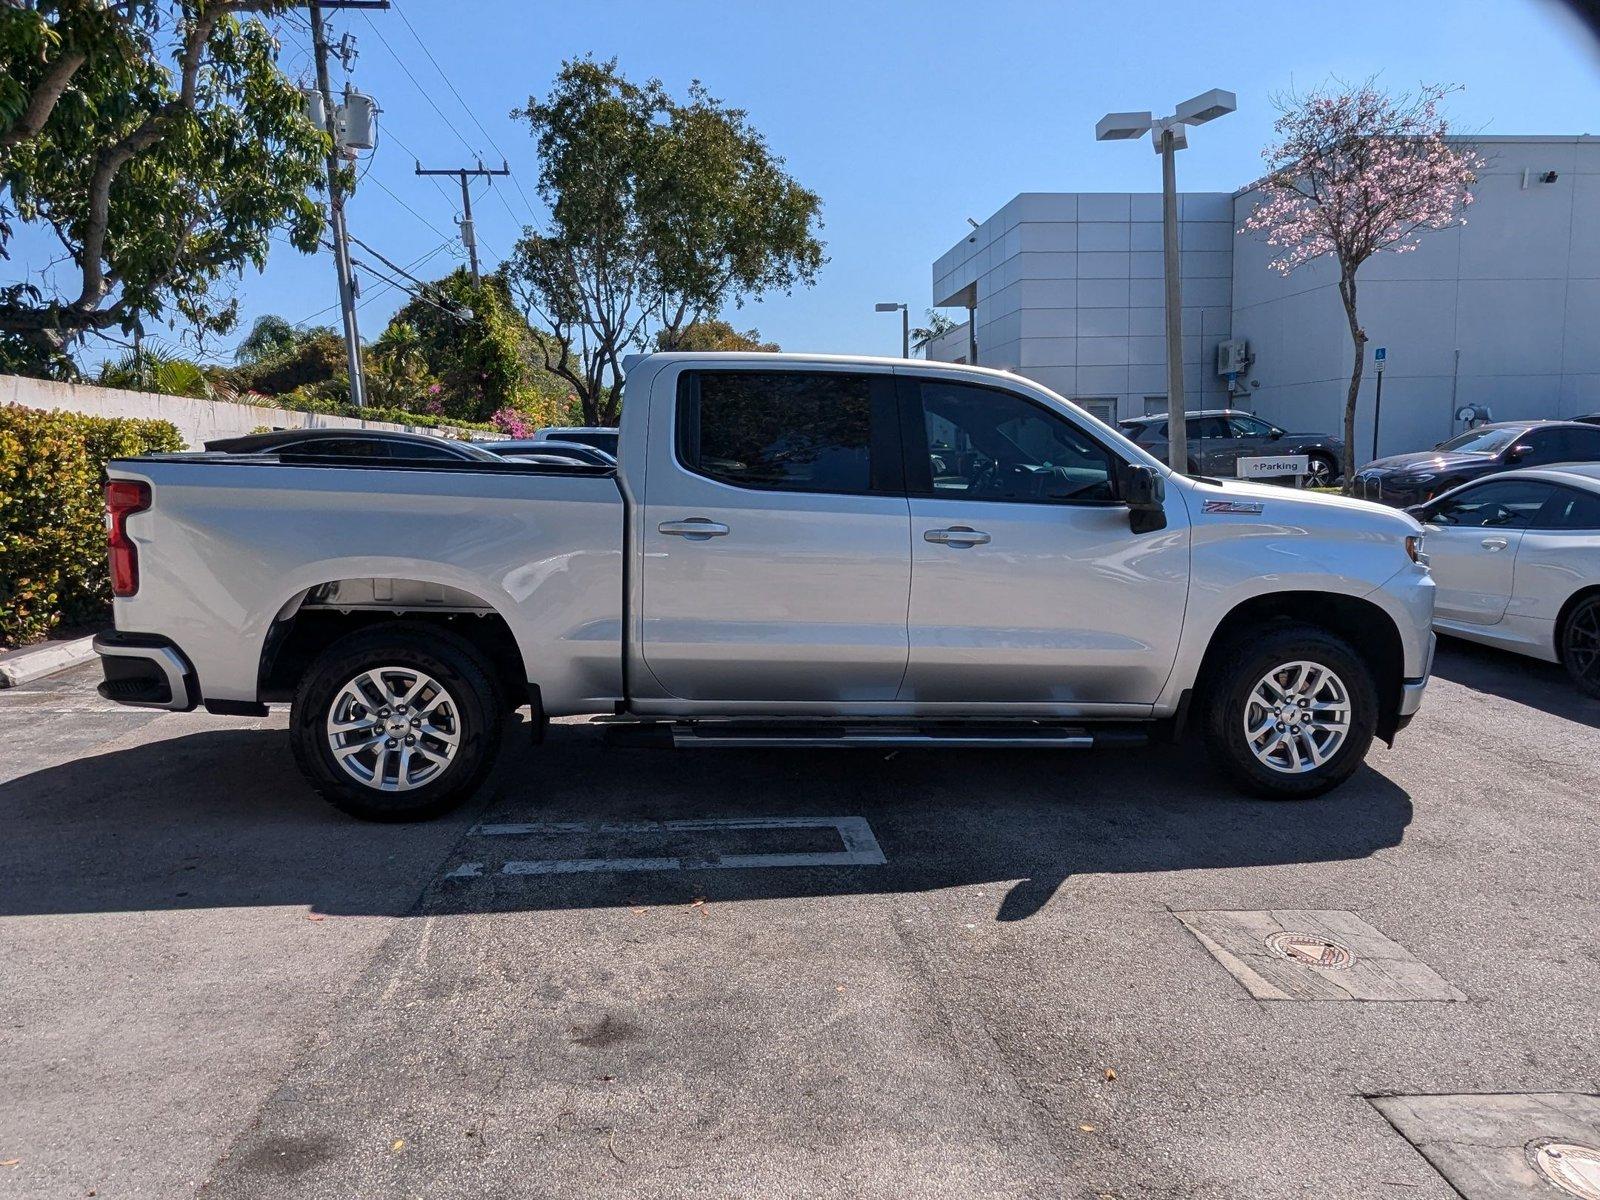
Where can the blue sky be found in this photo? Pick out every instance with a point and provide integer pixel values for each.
(905, 118)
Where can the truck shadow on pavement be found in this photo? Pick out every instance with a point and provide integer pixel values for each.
(222, 819)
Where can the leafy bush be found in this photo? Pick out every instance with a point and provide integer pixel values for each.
(52, 529)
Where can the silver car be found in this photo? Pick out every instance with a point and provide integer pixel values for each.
(1516, 559)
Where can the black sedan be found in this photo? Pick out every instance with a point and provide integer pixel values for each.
(353, 443)
(1406, 479)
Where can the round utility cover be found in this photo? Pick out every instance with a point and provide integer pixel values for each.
(1572, 1167)
(1310, 950)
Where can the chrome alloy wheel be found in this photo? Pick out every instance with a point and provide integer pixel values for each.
(1297, 717)
(393, 728)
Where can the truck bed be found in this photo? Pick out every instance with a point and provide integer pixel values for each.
(233, 547)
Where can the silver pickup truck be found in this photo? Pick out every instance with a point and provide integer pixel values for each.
(795, 551)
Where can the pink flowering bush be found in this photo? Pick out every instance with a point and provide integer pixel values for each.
(512, 423)
(1354, 172)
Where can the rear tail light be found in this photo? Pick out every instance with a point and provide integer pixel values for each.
(123, 498)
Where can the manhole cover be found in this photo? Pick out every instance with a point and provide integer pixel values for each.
(1573, 1168)
(1311, 950)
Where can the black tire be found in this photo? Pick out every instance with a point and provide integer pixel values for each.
(471, 712)
(1240, 666)
(1580, 645)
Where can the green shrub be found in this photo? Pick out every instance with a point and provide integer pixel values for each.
(52, 527)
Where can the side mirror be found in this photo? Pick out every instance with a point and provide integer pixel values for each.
(1516, 454)
(1276, 434)
(1144, 491)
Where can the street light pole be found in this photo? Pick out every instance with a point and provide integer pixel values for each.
(905, 324)
(1170, 135)
(1177, 421)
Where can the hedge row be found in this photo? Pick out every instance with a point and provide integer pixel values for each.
(52, 526)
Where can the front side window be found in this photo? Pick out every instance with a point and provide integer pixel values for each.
(1506, 504)
(1540, 447)
(1245, 426)
(798, 431)
(1480, 441)
(339, 448)
(988, 444)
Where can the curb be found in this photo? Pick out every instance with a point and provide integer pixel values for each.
(35, 662)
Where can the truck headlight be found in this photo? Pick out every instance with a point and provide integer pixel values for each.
(1414, 549)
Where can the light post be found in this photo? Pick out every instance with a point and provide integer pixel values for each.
(1169, 135)
(905, 324)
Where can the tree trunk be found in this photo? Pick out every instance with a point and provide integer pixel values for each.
(1358, 337)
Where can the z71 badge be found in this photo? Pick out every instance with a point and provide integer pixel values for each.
(1234, 506)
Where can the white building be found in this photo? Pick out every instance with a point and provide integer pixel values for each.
(1503, 312)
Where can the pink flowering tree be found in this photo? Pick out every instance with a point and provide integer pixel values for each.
(1354, 172)
(512, 423)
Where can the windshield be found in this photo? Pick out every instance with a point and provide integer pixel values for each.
(1481, 441)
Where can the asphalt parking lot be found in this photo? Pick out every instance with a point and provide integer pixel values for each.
(642, 973)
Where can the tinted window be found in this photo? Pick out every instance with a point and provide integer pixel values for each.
(417, 450)
(792, 430)
(1207, 427)
(1246, 426)
(1571, 509)
(1580, 445)
(1542, 446)
(1504, 504)
(339, 447)
(988, 444)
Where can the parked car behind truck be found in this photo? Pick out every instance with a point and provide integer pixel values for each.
(794, 551)
(1218, 438)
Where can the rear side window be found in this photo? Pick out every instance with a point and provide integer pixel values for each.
(339, 448)
(797, 431)
(1571, 509)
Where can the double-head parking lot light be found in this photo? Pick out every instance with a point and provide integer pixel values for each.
(1169, 135)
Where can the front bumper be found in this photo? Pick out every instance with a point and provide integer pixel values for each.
(1394, 490)
(1411, 690)
(145, 670)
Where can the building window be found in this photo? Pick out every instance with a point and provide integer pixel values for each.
(1154, 406)
(1102, 408)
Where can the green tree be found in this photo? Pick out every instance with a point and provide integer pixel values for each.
(715, 335)
(473, 341)
(270, 337)
(161, 144)
(923, 336)
(662, 213)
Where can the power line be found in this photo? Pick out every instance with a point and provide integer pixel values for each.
(425, 94)
(411, 210)
(467, 108)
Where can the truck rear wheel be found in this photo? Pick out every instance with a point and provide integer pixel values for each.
(396, 723)
(1290, 712)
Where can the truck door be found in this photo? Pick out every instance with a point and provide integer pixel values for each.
(775, 561)
(1028, 585)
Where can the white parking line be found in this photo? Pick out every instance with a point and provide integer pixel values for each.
(861, 848)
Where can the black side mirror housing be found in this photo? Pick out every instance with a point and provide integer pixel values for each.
(1144, 491)
(1516, 454)
(1276, 434)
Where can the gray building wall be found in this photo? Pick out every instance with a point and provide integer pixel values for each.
(1503, 311)
(1067, 289)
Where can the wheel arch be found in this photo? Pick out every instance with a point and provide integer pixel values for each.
(316, 617)
(1371, 632)
(1578, 597)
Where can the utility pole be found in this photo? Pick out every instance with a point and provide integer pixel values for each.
(468, 235)
(341, 246)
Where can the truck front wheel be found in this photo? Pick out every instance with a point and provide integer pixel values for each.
(396, 723)
(1290, 713)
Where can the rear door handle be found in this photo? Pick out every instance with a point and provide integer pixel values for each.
(1495, 543)
(696, 529)
(957, 535)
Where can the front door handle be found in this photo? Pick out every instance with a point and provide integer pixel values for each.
(696, 529)
(957, 535)
(1494, 543)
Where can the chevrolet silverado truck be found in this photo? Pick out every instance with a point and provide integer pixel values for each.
(792, 551)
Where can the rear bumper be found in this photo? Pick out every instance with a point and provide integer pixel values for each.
(145, 670)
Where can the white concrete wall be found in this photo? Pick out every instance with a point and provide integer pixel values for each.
(198, 421)
(1504, 311)
(1069, 292)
